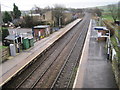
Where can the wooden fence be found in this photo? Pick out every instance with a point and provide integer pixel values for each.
(5, 53)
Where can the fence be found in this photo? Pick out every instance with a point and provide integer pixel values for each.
(116, 66)
(115, 52)
(5, 53)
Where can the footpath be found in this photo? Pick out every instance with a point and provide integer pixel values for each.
(94, 70)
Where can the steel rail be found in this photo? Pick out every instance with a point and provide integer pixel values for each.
(32, 87)
(49, 67)
(65, 63)
(18, 86)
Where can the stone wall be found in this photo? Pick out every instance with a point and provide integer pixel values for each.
(5, 54)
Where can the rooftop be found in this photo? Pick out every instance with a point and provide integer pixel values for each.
(100, 28)
(42, 26)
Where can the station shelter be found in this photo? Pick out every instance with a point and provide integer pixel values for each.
(102, 33)
(41, 31)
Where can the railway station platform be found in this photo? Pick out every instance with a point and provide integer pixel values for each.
(11, 67)
(94, 70)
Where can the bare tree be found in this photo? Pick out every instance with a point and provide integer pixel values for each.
(37, 10)
(58, 11)
(97, 11)
(47, 8)
(113, 11)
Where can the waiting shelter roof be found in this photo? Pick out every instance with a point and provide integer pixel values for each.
(100, 28)
(41, 26)
(10, 37)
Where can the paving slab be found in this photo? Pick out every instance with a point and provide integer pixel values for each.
(94, 70)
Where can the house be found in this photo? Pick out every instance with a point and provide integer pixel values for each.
(36, 17)
(68, 16)
(48, 16)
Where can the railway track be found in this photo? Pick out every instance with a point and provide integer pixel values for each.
(19, 79)
(65, 75)
(43, 72)
(47, 80)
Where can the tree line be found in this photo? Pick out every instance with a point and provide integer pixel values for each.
(27, 21)
(15, 14)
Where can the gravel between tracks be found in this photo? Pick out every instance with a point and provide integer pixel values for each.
(47, 66)
(49, 76)
(60, 43)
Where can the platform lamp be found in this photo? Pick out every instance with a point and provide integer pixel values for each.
(60, 21)
(108, 52)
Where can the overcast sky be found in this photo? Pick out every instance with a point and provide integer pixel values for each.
(7, 5)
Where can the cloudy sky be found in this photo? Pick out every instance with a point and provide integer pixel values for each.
(7, 5)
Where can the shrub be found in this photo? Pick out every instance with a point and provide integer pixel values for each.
(4, 34)
(112, 30)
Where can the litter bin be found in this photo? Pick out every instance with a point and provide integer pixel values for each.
(31, 42)
(25, 43)
(12, 50)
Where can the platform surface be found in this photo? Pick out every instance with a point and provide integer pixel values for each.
(94, 70)
(10, 67)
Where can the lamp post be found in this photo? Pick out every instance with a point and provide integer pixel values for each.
(16, 38)
(60, 21)
(108, 52)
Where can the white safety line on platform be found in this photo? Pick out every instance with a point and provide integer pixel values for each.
(62, 32)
